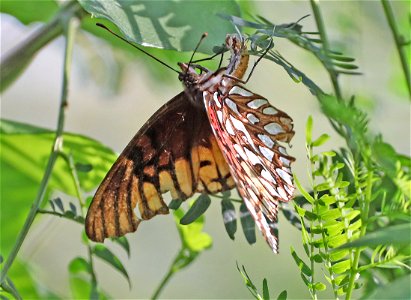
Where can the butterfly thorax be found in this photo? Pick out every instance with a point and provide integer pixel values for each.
(195, 84)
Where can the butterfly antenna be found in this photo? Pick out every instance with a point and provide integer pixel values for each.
(203, 36)
(138, 48)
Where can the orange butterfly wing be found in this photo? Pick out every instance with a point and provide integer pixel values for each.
(176, 152)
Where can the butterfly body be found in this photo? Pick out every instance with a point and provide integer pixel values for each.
(212, 137)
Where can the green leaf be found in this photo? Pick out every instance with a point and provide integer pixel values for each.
(23, 168)
(319, 286)
(306, 195)
(80, 287)
(191, 235)
(300, 263)
(78, 265)
(341, 266)
(108, 256)
(248, 282)
(266, 292)
(30, 11)
(321, 140)
(282, 295)
(397, 289)
(198, 208)
(175, 204)
(59, 204)
(83, 167)
(174, 25)
(248, 224)
(123, 242)
(229, 217)
(391, 235)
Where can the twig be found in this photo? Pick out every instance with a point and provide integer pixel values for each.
(19, 58)
(70, 25)
(321, 29)
(399, 42)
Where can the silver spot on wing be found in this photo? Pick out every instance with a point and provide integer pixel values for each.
(239, 91)
(252, 118)
(273, 128)
(256, 103)
(270, 111)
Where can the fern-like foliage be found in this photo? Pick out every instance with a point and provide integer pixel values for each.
(349, 200)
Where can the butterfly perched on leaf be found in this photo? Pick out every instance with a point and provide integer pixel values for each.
(214, 136)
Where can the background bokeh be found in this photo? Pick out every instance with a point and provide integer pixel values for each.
(113, 117)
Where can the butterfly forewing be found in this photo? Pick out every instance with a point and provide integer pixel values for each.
(176, 152)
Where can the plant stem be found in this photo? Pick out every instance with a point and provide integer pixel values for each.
(321, 29)
(167, 277)
(364, 220)
(19, 58)
(313, 207)
(57, 144)
(399, 42)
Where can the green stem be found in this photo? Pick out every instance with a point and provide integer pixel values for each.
(364, 221)
(16, 61)
(70, 162)
(399, 42)
(167, 277)
(313, 207)
(58, 140)
(321, 29)
(10, 288)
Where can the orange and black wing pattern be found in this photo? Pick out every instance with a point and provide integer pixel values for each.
(175, 151)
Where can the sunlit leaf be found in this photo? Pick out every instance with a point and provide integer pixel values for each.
(167, 24)
(192, 235)
(23, 168)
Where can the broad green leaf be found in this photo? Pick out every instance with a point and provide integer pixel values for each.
(397, 289)
(229, 217)
(30, 11)
(391, 235)
(80, 287)
(123, 242)
(167, 24)
(192, 235)
(198, 208)
(282, 295)
(300, 263)
(266, 292)
(23, 168)
(78, 265)
(108, 256)
(248, 224)
(24, 282)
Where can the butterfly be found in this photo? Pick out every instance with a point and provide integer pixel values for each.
(212, 137)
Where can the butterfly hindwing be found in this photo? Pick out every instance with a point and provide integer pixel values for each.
(176, 152)
(249, 130)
